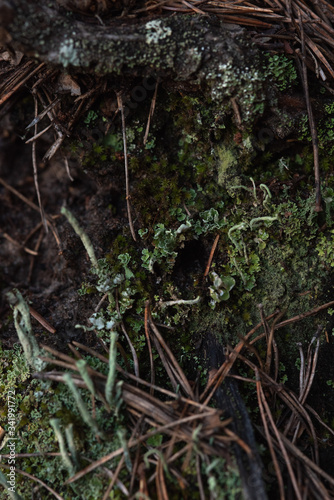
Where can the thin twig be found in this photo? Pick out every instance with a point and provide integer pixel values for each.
(97, 308)
(132, 349)
(304, 315)
(150, 115)
(68, 168)
(19, 245)
(281, 444)
(42, 320)
(313, 129)
(268, 437)
(40, 116)
(114, 479)
(147, 334)
(127, 193)
(33, 138)
(213, 249)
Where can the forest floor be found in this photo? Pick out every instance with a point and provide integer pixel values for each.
(198, 226)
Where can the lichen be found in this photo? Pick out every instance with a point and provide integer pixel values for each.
(155, 31)
(281, 70)
(68, 54)
(228, 169)
(242, 81)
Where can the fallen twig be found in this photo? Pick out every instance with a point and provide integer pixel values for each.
(34, 164)
(127, 192)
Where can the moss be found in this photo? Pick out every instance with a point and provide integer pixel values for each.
(43, 401)
(281, 70)
(228, 168)
(243, 81)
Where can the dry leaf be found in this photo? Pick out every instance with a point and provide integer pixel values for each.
(67, 84)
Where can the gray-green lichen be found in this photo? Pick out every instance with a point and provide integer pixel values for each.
(155, 31)
(23, 327)
(68, 54)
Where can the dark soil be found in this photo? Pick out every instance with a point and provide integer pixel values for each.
(50, 280)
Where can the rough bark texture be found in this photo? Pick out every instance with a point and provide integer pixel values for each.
(185, 48)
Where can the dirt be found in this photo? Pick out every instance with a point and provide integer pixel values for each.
(51, 279)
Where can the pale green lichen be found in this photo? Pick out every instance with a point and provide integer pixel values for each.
(228, 168)
(156, 31)
(71, 446)
(24, 331)
(220, 288)
(55, 424)
(82, 366)
(110, 385)
(85, 414)
(68, 54)
(241, 80)
(82, 235)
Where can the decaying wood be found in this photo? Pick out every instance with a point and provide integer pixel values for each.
(187, 48)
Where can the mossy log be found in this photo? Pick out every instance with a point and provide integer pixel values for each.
(187, 48)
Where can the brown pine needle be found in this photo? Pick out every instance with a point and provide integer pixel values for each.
(268, 437)
(16, 243)
(199, 477)
(213, 249)
(305, 315)
(42, 320)
(151, 113)
(41, 210)
(147, 334)
(131, 444)
(271, 342)
(313, 129)
(20, 83)
(114, 479)
(182, 379)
